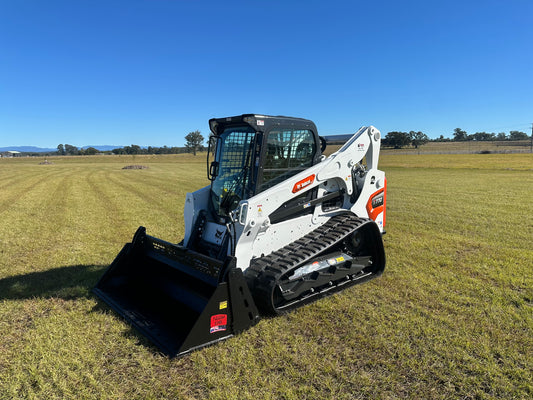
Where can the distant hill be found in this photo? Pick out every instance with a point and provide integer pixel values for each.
(28, 149)
(35, 149)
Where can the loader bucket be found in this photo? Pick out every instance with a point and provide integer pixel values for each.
(179, 299)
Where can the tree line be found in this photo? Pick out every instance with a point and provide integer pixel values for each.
(460, 135)
(398, 140)
(70, 150)
(194, 142)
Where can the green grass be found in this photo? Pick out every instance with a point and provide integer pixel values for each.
(451, 317)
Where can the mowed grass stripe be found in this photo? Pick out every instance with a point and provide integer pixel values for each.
(464, 232)
(170, 179)
(116, 213)
(14, 188)
(106, 206)
(142, 189)
(29, 199)
(160, 202)
(44, 210)
(482, 205)
(470, 274)
(9, 177)
(95, 217)
(150, 207)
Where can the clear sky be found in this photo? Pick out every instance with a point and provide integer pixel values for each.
(148, 72)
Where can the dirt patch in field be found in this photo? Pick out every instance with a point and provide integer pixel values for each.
(135, 167)
(45, 162)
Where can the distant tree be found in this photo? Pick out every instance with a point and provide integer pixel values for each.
(517, 135)
(90, 151)
(441, 138)
(194, 141)
(133, 149)
(501, 136)
(119, 150)
(483, 136)
(478, 136)
(163, 150)
(397, 139)
(61, 150)
(71, 150)
(459, 134)
(418, 138)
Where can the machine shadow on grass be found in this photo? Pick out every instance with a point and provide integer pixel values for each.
(69, 282)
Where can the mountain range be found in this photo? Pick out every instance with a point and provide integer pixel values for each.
(34, 149)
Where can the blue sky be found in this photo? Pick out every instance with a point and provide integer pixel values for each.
(148, 72)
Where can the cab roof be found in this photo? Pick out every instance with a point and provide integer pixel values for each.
(260, 122)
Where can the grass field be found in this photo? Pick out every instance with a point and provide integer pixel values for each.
(451, 317)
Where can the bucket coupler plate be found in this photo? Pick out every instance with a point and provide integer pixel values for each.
(179, 299)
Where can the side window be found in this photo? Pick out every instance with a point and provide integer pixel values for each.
(288, 152)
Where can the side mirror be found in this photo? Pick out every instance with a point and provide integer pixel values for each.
(323, 144)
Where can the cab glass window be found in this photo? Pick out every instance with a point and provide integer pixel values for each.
(288, 153)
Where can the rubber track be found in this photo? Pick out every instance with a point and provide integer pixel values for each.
(264, 272)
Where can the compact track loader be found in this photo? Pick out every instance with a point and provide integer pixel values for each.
(279, 226)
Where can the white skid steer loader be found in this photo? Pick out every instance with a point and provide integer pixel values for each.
(279, 226)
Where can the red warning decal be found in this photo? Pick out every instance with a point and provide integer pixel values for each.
(303, 183)
(219, 323)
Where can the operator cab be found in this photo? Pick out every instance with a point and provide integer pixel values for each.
(254, 153)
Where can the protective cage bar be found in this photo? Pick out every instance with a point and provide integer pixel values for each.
(177, 298)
